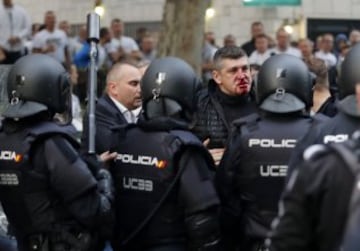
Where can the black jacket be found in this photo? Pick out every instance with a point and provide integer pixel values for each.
(249, 47)
(314, 207)
(211, 119)
(107, 115)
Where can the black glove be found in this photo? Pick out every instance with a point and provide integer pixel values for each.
(93, 162)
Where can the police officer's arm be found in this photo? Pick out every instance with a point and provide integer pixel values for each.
(226, 186)
(313, 136)
(198, 195)
(306, 206)
(87, 199)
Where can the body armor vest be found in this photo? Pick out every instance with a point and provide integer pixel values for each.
(24, 191)
(266, 146)
(143, 172)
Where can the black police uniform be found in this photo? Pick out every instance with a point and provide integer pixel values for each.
(48, 193)
(50, 196)
(325, 130)
(314, 206)
(167, 170)
(251, 175)
(341, 126)
(349, 152)
(252, 172)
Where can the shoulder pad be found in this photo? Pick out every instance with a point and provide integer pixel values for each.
(121, 127)
(319, 118)
(186, 137)
(45, 129)
(189, 139)
(314, 151)
(120, 130)
(250, 119)
(244, 125)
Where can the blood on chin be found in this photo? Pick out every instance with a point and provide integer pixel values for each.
(242, 89)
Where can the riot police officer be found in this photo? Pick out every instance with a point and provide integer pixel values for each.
(340, 127)
(251, 175)
(350, 154)
(314, 207)
(49, 195)
(162, 171)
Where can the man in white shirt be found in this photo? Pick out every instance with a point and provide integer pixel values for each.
(327, 45)
(52, 41)
(283, 44)
(261, 52)
(122, 46)
(15, 27)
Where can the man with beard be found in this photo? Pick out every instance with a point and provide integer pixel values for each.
(226, 98)
(120, 104)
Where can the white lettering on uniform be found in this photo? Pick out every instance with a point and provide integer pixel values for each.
(9, 179)
(338, 138)
(273, 170)
(142, 160)
(137, 184)
(7, 155)
(272, 143)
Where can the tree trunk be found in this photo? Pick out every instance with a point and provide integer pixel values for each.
(183, 29)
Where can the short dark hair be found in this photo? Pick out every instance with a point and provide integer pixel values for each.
(228, 52)
(261, 36)
(116, 20)
(103, 32)
(319, 68)
(257, 23)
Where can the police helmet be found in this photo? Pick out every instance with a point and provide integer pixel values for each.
(37, 83)
(169, 88)
(284, 85)
(349, 78)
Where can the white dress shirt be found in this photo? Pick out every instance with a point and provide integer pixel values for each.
(14, 22)
(130, 116)
(328, 57)
(259, 58)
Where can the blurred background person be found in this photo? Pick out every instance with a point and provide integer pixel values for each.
(283, 44)
(306, 47)
(210, 38)
(261, 52)
(340, 40)
(15, 27)
(323, 101)
(52, 41)
(257, 28)
(121, 46)
(207, 56)
(148, 47)
(326, 51)
(229, 40)
(354, 37)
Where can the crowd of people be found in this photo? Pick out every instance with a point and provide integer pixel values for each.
(259, 153)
